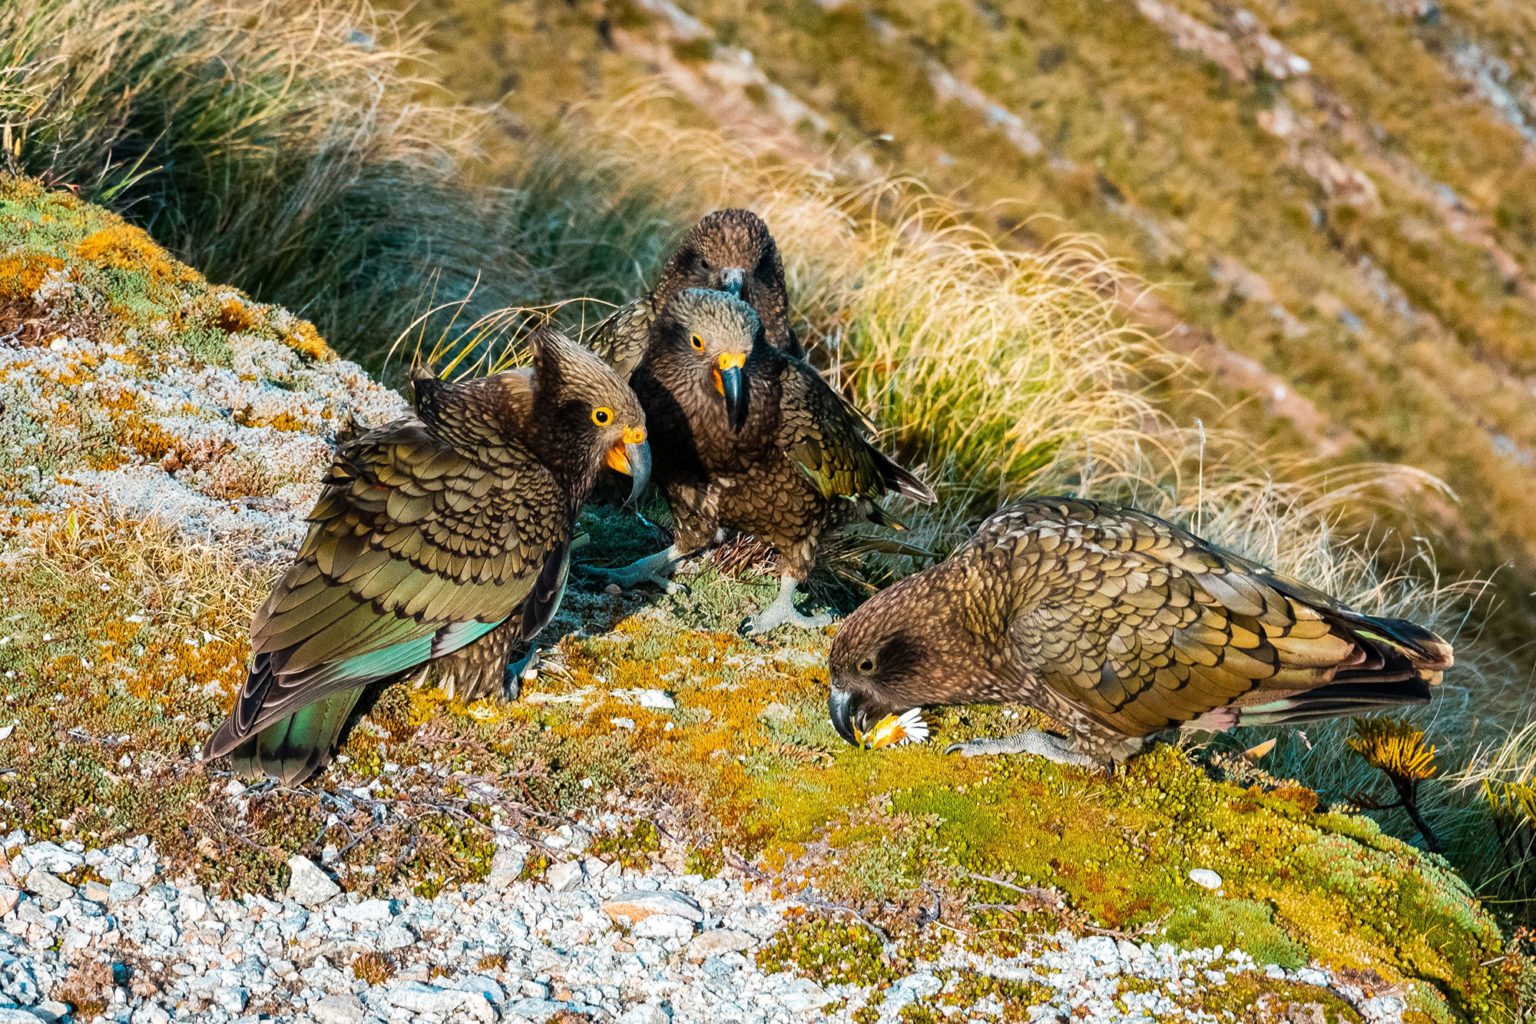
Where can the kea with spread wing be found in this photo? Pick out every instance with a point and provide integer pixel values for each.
(445, 528)
(1118, 625)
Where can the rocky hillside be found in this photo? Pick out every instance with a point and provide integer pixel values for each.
(1337, 201)
(163, 436)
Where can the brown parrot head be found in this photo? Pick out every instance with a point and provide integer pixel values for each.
(703, 341)
(583, 416)
(731, 251)
(907, 647)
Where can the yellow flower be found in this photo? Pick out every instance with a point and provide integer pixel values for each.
(1395, 747)
(1511, 801)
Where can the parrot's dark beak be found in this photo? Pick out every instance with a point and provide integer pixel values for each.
(732, 279)
(639, 469)
(840, 707)
(632, 456)
(731, 382)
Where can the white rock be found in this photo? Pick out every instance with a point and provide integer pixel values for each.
(396, 936)
(483, 986)
(9, 894)
(16, 1015)
(337, 1010)
(52, 857)
(908, 990)
(536, 1010)
(1205, 878)
(717, 941)
(419, 997)
(308, 885)
(649, 1014)
(565, 876)
(366, 912)
(800, 994)
(232, 997)
(664, 926)
(48, 886)
(1101, 947)
(506, 865)
(117, 892)
(635, 906)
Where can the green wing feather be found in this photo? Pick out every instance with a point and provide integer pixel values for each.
(827, 439)
(1139, 626)
(414, 550)
(622, 338)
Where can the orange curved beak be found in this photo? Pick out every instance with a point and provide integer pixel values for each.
(631, 456)
(731, 382)
(725, 362)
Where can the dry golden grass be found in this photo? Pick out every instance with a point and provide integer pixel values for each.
(289, 147)
(182, 581)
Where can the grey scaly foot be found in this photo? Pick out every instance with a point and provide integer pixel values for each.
(523, 670)
(782, 612)
(655, 569)
(1031, 741)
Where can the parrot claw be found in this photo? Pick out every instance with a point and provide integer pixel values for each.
(782, 612)
(629, 580)
(1032, 741)
(761, 623)
(523, 670)
(656, 569)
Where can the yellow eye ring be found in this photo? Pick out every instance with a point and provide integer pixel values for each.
(697, 343)
(602, 415)
(867, 666)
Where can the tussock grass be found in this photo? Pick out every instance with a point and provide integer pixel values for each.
(285, 146)
(185, 583)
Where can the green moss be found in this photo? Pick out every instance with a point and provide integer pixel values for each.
(829, 951)
(633, 847)
(1259, 998)
(1235, 924)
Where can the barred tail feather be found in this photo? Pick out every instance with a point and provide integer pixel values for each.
(1336, 700)
(1398, 664)
(295, 748)
(902, 481)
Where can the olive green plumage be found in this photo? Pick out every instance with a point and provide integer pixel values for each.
(1119, 625)
(730, 251)
(430, 533)
(749, 438)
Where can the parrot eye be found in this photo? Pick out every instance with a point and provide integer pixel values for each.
(697, 343)
(867, 666)
(602, 415)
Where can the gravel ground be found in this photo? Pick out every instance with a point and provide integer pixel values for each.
(592, 938)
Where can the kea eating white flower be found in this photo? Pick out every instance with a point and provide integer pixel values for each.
(894, 730)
